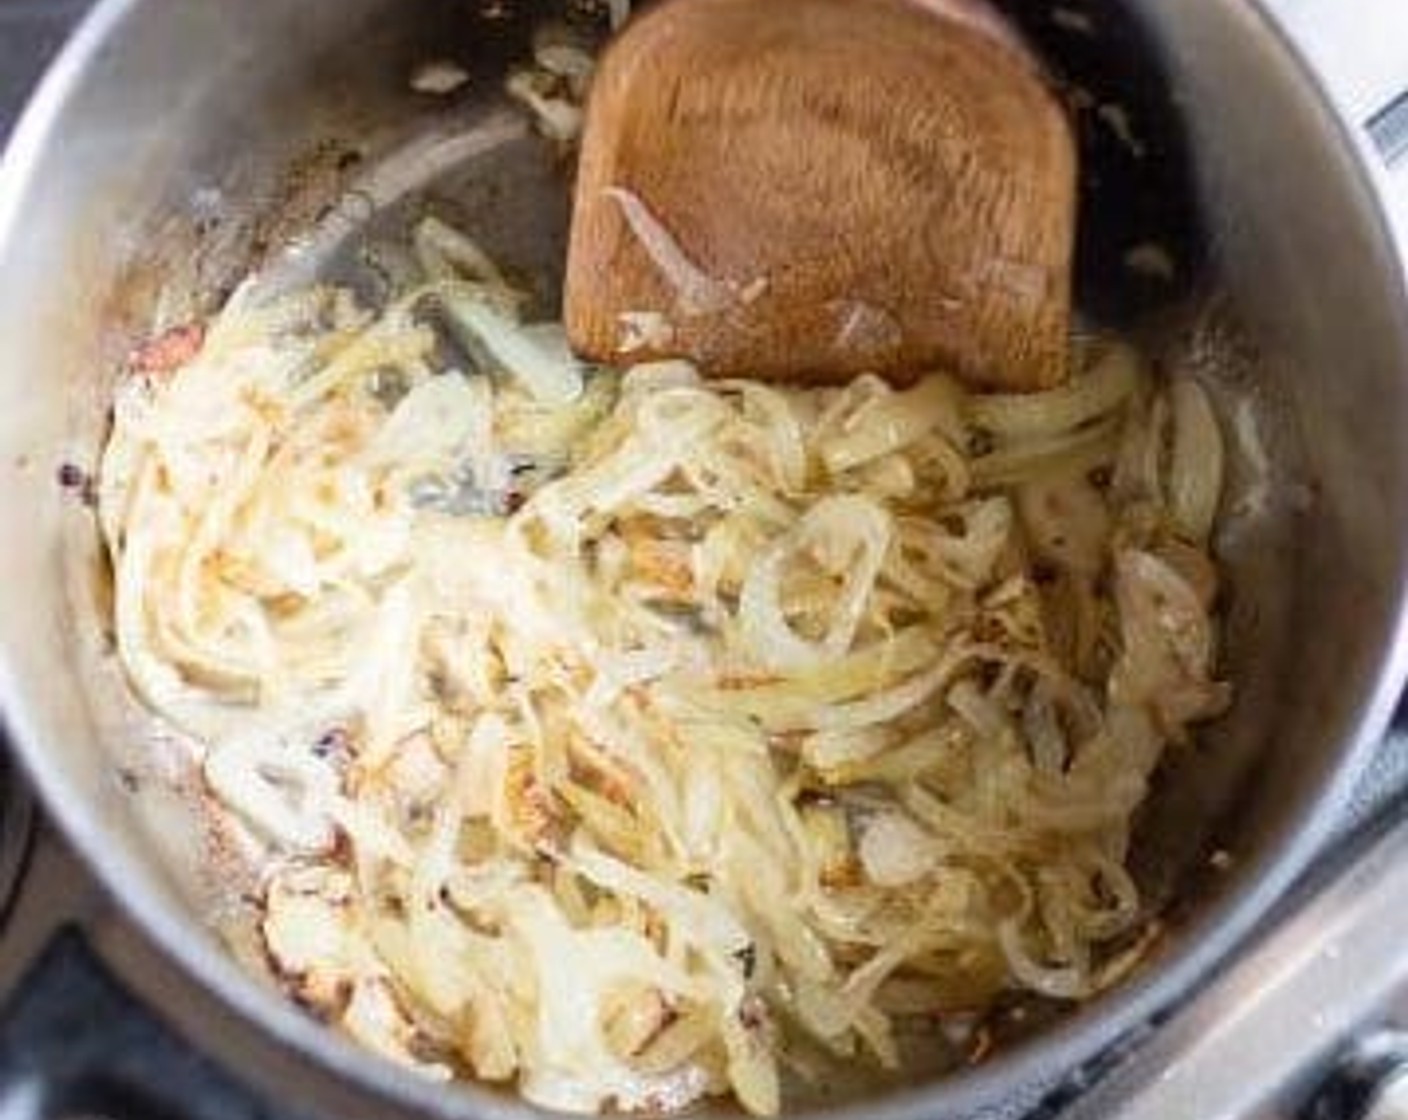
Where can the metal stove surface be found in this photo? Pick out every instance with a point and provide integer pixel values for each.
(1309, 1022)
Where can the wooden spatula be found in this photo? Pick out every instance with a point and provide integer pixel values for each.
(811, 189)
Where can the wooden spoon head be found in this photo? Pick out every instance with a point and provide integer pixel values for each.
(811, 189)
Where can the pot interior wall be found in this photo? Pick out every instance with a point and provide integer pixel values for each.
(205, 134)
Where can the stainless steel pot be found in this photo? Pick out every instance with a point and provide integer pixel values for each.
(177, 142)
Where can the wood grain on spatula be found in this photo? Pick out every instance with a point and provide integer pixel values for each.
(811, 189)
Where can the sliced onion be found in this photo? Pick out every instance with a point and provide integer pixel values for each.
(431, 425)
(848, 527)
(887, 705)
(1056, 981)
(1167, 642)
(557, 118)
(1013, 416)
(895, 851)
(890, 423)
(280, 791)
(598, 841)
(1195, 462)
(446, 253)
(1067, 521)
(537, 356)
(1078, 452)
(557, 51)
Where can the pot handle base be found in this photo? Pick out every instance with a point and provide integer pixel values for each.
(75, 1042)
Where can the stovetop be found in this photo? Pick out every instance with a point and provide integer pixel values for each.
(1309, 1022)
